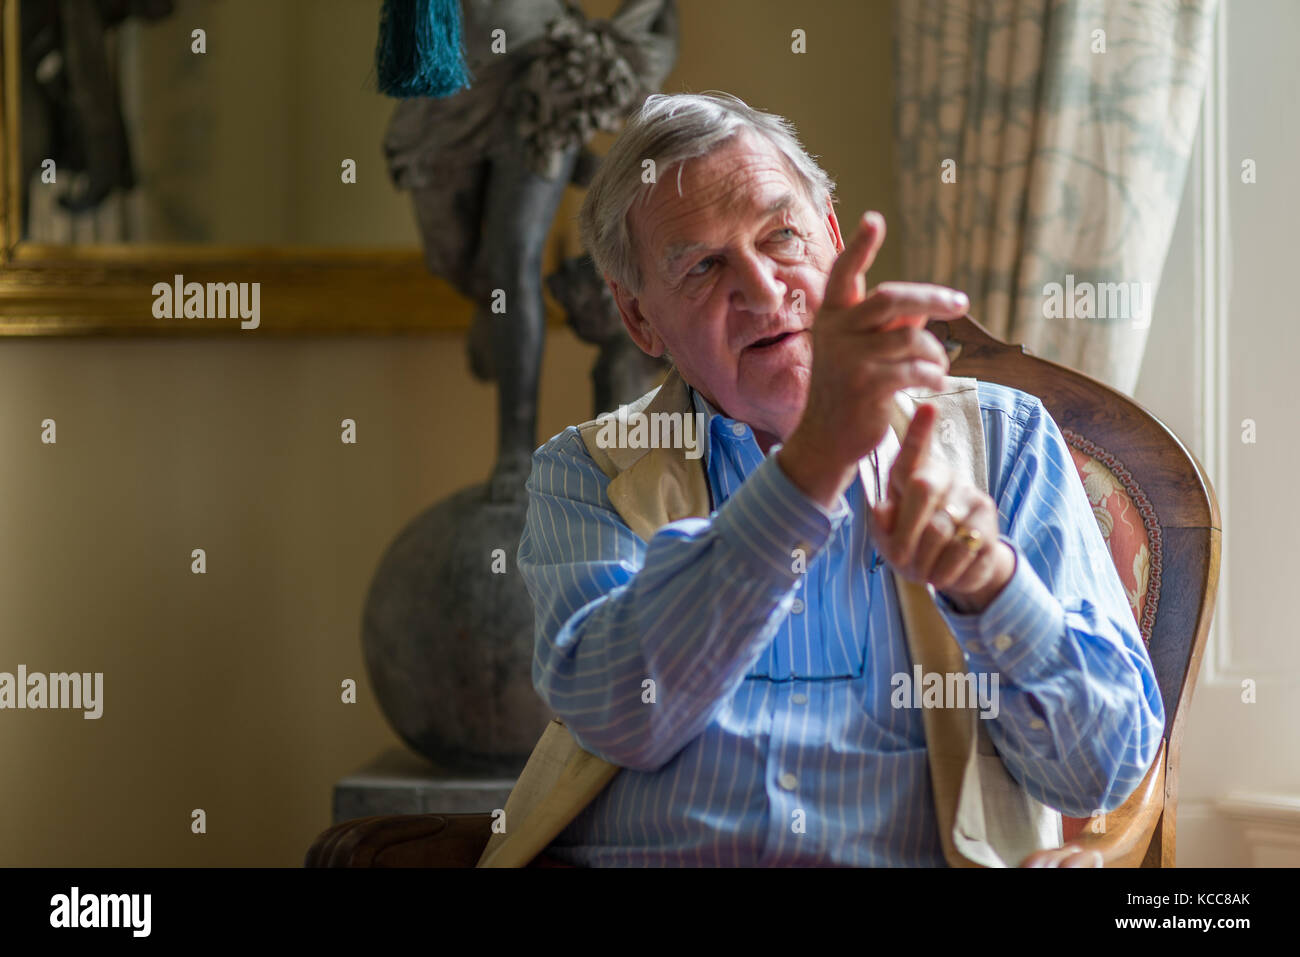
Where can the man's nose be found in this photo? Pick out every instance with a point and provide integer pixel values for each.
(757, 286)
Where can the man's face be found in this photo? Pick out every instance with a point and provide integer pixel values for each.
(740, 257)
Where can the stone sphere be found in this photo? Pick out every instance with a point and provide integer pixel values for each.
(448, 640)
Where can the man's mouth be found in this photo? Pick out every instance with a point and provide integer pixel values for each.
(771, 341)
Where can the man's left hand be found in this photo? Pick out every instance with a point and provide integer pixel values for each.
(935, 526)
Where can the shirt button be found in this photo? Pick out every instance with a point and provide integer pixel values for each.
(799, 698)
(788, 781)
(737, 428)
(1037, 724)
(1002, 642)
(796, 606)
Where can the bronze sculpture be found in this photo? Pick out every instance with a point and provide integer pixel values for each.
(448, 630)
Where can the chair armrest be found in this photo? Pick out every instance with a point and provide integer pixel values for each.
(1130, 826)
(403, 840)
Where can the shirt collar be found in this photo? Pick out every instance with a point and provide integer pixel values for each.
(716, 422)
(718, 425)
(702, 404)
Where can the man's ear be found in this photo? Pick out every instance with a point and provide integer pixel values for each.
(833, 224)
(637, 325)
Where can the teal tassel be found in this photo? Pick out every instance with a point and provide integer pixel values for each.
(419, 51)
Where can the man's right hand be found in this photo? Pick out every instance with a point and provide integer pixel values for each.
(867, 345)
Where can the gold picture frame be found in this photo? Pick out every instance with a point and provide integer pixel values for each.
(54, 290)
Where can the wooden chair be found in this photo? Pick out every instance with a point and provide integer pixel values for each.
(1159, 515)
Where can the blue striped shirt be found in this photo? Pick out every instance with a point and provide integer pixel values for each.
(771, 739)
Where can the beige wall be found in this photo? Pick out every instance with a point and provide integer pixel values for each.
(222, 690)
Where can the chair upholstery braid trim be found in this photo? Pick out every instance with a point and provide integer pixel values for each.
(1150, 522)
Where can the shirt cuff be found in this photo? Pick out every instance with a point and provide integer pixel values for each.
(774, 525)
(1017, 634)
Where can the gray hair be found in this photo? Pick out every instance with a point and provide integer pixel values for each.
(671, 129)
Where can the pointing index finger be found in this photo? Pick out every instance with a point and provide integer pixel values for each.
(915, 449)
(845, 286)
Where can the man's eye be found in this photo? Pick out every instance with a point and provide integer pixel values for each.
(788, 229)
(707, 260)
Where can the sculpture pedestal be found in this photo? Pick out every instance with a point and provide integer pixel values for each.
(401, 782)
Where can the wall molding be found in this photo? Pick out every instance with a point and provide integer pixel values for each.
(1212, 287)
(1269, 824)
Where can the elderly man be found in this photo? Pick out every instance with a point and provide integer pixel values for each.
(748, 696)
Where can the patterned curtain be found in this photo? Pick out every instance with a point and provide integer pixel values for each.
(1042, 151)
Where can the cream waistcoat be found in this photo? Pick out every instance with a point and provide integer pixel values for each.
(985, 817)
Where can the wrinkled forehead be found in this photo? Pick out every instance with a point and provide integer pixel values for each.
(744, 149)
(775, 190)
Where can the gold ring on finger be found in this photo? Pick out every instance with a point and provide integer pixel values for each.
(970, 537)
